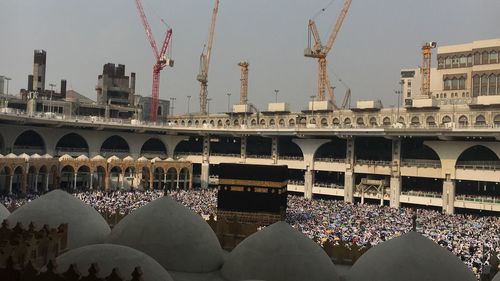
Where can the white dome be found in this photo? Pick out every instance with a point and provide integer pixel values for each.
(85, 225)
(108, 256)
(82, 158)
(170, 159)
(279, 253)
(128, 158)
(11, 155)
(1, 156)
(98, 158)
(4, 213)
(36, 156)
(175, 236)
(143, 159)
(24, 156)
(65, 157)
(47, 156)
(410, 257)
(155, 159)
(113, 158)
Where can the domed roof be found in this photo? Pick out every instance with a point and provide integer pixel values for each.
(113, 158)
(279, 253)
(36, 156)
(497, 277)
(82, 158)
(155, 159)
(47, 156)
(11, 155)
(98, 158)
(108, 256)
(170, 159)
(4, 212)
(24, 156)
(65, 157)
(172, 234)
(128, 158)
(143, 159)
(410, 257)
(85, 225)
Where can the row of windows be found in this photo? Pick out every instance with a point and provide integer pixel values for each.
(452, 95)
(469, 60)
(485, 85)
(454, 84)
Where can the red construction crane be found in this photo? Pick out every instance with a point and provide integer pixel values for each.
(160, 57)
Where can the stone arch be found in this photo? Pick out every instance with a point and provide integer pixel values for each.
(197, 122)
(463, 120)
(281, 122)
(72, 143)
(415, 121)
(158, 178)
(386, 121)
(67, 177)
(145, 183)
(32, 179)
(212, 122)
(115, 177)
(99, 181)
(347, 121)
(496, 120)
(477, 153)
(253, 122)
(288, 148)
(272, 122)
(335, 121)
(324, 122)
(334, 149)
(262, 122)
(83, 178)
(5, 178)
(115, 145)
(154, 147)
(183, 123)
(184, 178)
(430, 121)
(172, 181)
(373, 121)
(291, 122)
(29, 142)
(18, 180)
(219, 123)
(236, 122)
(480, 120)
(446, 119)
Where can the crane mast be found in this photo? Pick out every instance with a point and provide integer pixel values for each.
(160, 60)
(320, 52)
(426, 68)
(243, 82)
(205, 62)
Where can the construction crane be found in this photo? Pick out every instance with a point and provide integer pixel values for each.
(161, 60)
(244, 82)
(205, 62)
(425, 70)
(320, 52)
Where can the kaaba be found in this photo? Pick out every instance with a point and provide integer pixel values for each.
(252, 193)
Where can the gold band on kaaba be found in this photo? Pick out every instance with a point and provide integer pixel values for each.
(254, 183)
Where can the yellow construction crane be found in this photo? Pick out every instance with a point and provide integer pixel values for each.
(320, 52)
(244, 82)
(425, 70)
(205, 62)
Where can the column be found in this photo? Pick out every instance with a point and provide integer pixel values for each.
(11, 178)
(74, 182)
(151, 180)
(122, 175)
(243, 149)
(91, 187)
(274, 150)
(308, 184)
(395, 181)
(36, 183)
(47, 178)
(205, 164)
(349, 177)
(106, 181)
(164, 180)
(449, 196)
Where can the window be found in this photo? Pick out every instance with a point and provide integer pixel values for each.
(480, 120)
(469, 60)
(446, 119)
(462, 120)
(431, 121)
(386, 121)
(408, 94)
(447, 84)
(409, 84)
(461, 83)
(485, 58)
(463, 61)
(475, 85)
(440, 63)
(477, 58)
(493, 57)
(39, 78)
(448, 62)
(492, 89)
(484, 85)
(454, 84)
(454, 62)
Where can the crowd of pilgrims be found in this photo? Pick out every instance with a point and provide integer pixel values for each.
(472, 238)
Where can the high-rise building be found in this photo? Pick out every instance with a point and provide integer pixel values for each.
(39, 66)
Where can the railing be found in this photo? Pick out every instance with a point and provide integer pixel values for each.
(296, 158)
(476, 199)
(479, 165)
(186, 154)
(328, 185)
(331, 160)
(372, 162)
(225, 154)
(422, 194)
(259, 156)
(423, 163)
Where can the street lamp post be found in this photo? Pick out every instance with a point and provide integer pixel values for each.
(228, 102)
(172, 101)
(7, 79)
(312, 108)
(189, 101)
(276, 95)
(208, 106)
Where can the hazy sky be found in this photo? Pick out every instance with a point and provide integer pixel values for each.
(378, 38)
